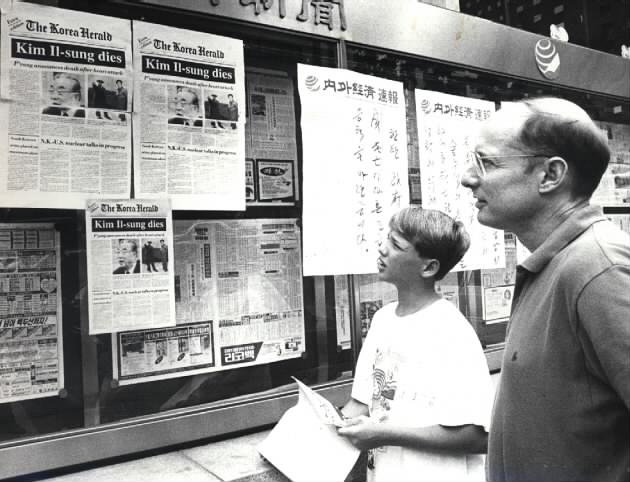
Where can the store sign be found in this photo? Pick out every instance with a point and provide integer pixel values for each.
(321, 16)
(547, 58)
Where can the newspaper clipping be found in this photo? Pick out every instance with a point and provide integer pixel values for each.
(271, 136)
(65, 126)
(31, 351)
(238, 297)
(130, 271)
(190, 136)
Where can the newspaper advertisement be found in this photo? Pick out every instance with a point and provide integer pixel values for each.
(189, 140)
(65, 124)
(355, 150)
(446, 126)
(147, 355)
(271, 135)
(130, 267)
(31, 342)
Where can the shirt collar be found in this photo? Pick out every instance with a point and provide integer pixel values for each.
(574, 225)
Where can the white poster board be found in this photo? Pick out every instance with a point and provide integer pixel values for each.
(65, 126)
(355, 167)
(447, 126)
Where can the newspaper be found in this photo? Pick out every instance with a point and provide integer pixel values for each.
(65, 126)
(271, 138)
(31, 347)
(189, 140)
(238, 297)
(130, 267)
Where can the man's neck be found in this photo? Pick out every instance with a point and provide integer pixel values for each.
(539, 229)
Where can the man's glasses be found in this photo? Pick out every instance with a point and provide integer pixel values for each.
(480, 161)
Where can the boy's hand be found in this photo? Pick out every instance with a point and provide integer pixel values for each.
(363, 432)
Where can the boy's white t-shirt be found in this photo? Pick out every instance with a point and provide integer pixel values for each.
(427, 368)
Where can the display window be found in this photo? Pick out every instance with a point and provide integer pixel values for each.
(191, 218)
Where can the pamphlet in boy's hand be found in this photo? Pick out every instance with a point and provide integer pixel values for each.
(304, 444)
(325, 410)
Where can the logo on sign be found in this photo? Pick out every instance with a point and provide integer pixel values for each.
(312, 83)
(547, 58)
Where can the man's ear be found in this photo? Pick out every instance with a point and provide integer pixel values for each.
(430, 269)
(555, 172)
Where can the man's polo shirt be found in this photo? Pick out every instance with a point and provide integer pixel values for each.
(562, 406)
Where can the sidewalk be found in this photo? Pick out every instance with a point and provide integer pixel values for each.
(233, 460)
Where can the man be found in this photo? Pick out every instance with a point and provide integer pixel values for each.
(121, 96)
(213, 111)
(127, 253)
(232, 109)
(562, 406)
(148, 258)
(64, 96)
(186, 108)
(164, 255)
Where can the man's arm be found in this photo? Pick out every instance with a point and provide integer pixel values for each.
(365, 433)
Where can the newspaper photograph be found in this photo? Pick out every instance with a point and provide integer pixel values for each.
(65, 123)
(130, 269)
(189, 137)
(31, 342)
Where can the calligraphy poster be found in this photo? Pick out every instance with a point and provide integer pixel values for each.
(65, 122)
(447, 126)
(189, 118)
(31, 342)
(354, 138)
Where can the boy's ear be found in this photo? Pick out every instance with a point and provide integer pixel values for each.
(430, 269)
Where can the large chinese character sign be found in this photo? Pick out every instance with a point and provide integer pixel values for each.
(355, 167)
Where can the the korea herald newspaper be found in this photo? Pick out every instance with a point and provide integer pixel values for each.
(130, 266)
(65, 122)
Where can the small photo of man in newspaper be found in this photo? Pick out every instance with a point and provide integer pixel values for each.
(63, 94)
(125, 256)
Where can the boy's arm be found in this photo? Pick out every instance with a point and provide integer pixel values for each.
(353, 408)
(365, 433)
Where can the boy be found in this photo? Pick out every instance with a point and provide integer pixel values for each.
(422, 394)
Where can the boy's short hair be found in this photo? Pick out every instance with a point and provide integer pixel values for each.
(433, 234)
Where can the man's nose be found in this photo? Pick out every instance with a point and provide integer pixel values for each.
(470, 178)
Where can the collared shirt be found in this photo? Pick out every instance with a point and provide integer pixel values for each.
(562, 406)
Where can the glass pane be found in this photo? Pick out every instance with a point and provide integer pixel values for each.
(484, 296)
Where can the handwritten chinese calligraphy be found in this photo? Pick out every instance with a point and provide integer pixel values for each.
(355, 180)
(446, 126)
